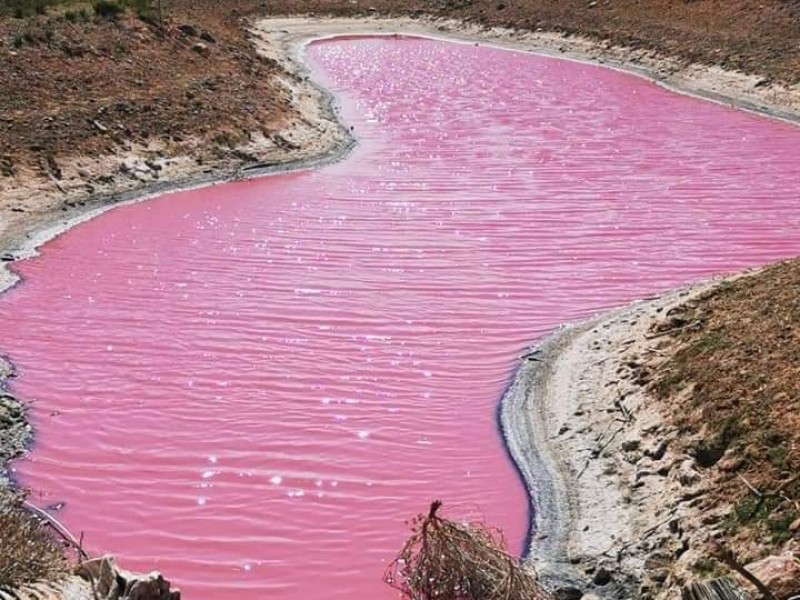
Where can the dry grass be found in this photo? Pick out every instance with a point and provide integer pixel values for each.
(444, 560)
(74, 83)
(28, 551)
(733, 389)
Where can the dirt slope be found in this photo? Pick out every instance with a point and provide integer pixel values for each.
(92, 86)
(731, 386)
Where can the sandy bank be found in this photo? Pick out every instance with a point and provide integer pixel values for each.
(713, 83)
(611, 498)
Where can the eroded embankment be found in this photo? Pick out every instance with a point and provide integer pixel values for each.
(617, 494)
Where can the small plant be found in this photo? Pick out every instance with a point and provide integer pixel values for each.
(108, 9)
(780, 527)
(778, 456)
(443, 560)
(708, 568)
(754, 508)
(28, 552)
(22, 9)
(77, 16)
(143, 9)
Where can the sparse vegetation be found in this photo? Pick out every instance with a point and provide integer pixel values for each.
(75, 11)
(108, 9)
(20, 9)
(732, 387)
(28, 551)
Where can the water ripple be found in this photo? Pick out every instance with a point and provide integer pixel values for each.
(251, 386)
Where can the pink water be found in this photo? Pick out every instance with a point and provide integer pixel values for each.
(250, 387)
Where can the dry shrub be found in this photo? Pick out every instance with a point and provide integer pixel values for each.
(28, 551)
(444, 560)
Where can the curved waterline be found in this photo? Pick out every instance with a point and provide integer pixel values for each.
(465, 225)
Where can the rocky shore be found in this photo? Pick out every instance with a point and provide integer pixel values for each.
(98, 579)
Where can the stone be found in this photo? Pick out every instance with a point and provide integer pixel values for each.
(631, 445)
(201, 49)
(188, 30)
(658, 565)
(730, 464)
(687, 474)
(657, 451)
(568, 593)
(781, 574)
(601, 577)
(111, 583)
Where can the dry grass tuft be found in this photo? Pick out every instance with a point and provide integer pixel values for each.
(28, 551)
(450, 561)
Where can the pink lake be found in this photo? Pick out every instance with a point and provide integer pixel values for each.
(250, 387)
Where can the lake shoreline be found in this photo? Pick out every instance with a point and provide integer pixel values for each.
(283, 40)
(593, 449)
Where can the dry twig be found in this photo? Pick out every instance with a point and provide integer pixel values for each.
(444, 560)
